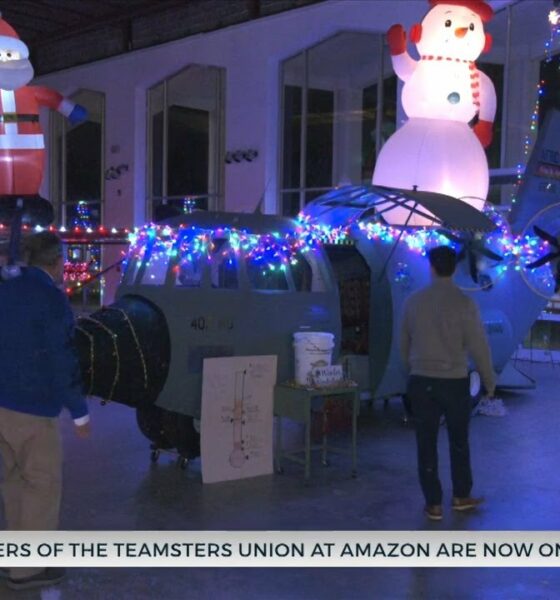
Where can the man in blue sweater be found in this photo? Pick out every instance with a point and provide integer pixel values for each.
(39, 376)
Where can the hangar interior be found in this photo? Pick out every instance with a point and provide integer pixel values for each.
(208, 107)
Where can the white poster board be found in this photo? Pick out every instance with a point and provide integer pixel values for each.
(237, 417)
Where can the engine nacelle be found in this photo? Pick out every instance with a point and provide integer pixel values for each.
(124, 351)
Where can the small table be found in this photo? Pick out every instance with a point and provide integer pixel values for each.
(295, 403)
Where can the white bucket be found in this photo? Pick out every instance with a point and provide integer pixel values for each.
(312, 349)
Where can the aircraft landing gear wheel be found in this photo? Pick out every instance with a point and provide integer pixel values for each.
(182, 463)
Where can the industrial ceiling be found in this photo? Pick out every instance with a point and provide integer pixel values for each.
(64, 33)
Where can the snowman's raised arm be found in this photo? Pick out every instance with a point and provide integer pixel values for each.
(403, 64)
(486, 110)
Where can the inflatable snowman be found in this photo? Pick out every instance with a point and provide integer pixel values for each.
(438, 149)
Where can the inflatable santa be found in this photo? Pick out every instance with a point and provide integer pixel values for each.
(438, 149)
(22, 148)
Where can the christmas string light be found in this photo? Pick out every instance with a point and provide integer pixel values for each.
(528, 141)
(313, 234)
(94, 276)
(91, 357)
(79, 272)
(115, 354)
(136, 342)
(271, 251)
(78, 235)
(274, 251)
(530, 137)
(76, 270)
(83, 216)
(91, 340)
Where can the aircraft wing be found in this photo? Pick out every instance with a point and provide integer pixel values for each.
(350, 204)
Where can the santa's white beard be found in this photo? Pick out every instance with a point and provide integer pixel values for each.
(15, 74)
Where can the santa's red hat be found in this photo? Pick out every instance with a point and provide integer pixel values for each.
(483, 10)
(9, 39)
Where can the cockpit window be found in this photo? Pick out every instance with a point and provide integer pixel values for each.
(307, 273)
(193, 252)
(223, 266)
(266, 272)
(131, 270)
(301, 272)
(226, 259)
(189, 272)
(157, 262)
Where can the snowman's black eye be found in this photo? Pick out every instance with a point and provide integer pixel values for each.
(471, 26)
(448, 23)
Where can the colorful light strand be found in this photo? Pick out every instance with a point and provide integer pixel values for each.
(275, 251)
(78, 272)
(531, 135)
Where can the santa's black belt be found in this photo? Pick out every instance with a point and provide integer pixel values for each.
(18, 118)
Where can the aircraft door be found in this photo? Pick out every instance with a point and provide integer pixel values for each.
(283, 298)
(353, 277)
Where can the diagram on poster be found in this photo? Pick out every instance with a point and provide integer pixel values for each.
(237, 417)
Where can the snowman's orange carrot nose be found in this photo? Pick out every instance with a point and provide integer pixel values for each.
(461, 31)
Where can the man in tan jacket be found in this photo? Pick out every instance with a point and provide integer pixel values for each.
(441, 327)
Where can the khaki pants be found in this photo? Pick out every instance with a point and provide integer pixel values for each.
(31, 452)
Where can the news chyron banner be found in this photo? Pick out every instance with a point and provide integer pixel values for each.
(326, 549)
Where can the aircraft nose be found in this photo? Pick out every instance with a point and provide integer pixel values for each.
(461, 32)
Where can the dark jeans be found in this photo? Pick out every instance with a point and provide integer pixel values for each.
(430, 398)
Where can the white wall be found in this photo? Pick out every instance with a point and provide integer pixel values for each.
(251, 53)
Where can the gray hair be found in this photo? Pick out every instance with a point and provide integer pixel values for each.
(42, 249)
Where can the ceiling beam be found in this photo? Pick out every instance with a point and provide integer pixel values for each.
(254, 7)
(114, 18)
(42, 5)
(24, 14)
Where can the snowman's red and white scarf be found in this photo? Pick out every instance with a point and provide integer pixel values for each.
(475, 75)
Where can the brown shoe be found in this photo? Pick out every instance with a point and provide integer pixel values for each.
(466, 503)
(433, 512)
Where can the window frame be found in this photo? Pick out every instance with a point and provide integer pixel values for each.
(303, 190)
(216, 171)
(58, 166)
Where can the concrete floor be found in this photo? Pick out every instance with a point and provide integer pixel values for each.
(111, 485)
